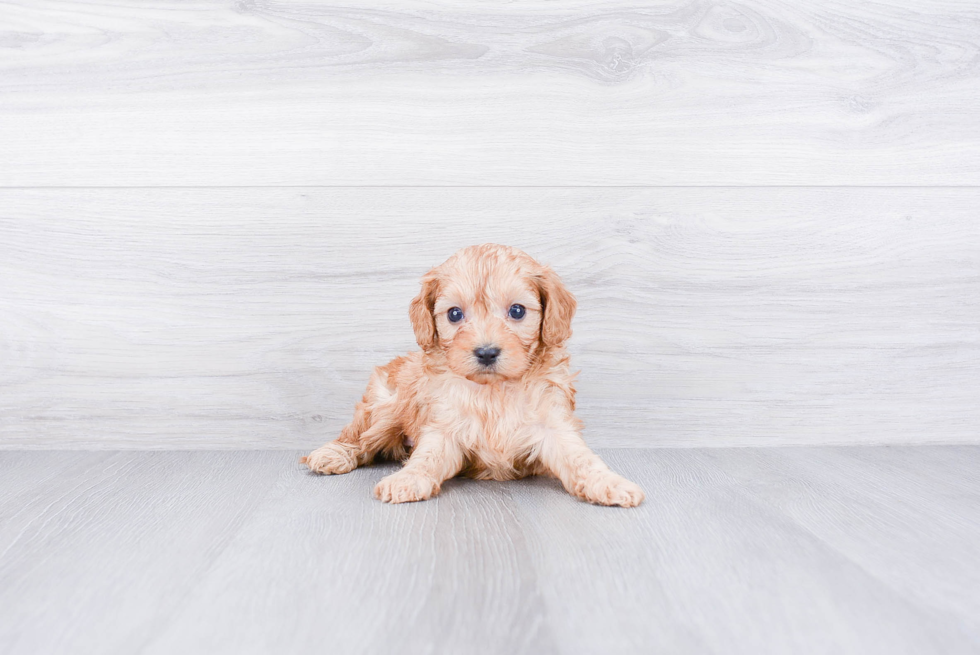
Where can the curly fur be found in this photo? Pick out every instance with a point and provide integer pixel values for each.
(445, 414)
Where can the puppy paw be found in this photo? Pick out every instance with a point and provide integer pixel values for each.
(612, 489)
(330, 460)
(405, 487)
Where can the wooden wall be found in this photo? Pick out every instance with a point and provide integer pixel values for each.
(213, 215)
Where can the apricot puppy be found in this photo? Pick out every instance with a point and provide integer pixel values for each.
(490, 395)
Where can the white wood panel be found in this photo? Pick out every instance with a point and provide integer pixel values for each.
(237, 318)
(611, 93)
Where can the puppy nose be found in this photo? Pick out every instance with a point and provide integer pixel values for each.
(486, 355)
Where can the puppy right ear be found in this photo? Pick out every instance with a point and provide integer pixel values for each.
(559, 308)
(420, 311)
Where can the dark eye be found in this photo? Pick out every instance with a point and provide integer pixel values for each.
(516, 312)
(455, 315)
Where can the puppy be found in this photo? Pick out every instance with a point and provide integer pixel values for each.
(490, 395)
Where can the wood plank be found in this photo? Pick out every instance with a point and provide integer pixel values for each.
(913, 525)
(325, 566)
(229, 318)
(817, 550)
(702, 566)
(959, 466)
(99, 558)
(608, 93)
(34, 481)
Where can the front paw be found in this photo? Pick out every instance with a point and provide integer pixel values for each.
(611, 489)
(331, 459)
(406, 487)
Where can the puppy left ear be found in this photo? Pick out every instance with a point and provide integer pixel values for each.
(558, 307)
(420, 311)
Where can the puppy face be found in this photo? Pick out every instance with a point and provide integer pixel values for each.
(489, 309)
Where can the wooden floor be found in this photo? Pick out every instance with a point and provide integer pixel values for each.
(751, 550)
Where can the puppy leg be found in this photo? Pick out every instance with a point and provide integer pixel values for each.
(352, 449)
(436, 458)
(375, 427)
(583, 474)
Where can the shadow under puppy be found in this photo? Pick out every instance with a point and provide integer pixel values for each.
(490, 395)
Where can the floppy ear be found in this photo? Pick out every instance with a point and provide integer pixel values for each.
(420, 311)
(558, 308)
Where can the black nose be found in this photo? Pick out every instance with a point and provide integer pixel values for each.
(486, 356)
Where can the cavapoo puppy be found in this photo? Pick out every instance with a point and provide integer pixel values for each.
(490, 395)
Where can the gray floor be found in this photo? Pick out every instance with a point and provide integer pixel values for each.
(863, 550)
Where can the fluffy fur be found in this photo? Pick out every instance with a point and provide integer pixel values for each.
(445, 413)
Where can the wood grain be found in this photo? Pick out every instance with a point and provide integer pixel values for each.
(715, 570)
(251, 318)
(342, 573)
(753, 550)
(860, 518)
(684, 92)
(99, 556)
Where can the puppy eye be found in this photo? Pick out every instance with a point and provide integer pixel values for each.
(516, 312)
(455, 315)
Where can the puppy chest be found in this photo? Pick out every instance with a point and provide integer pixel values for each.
(496, 425)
